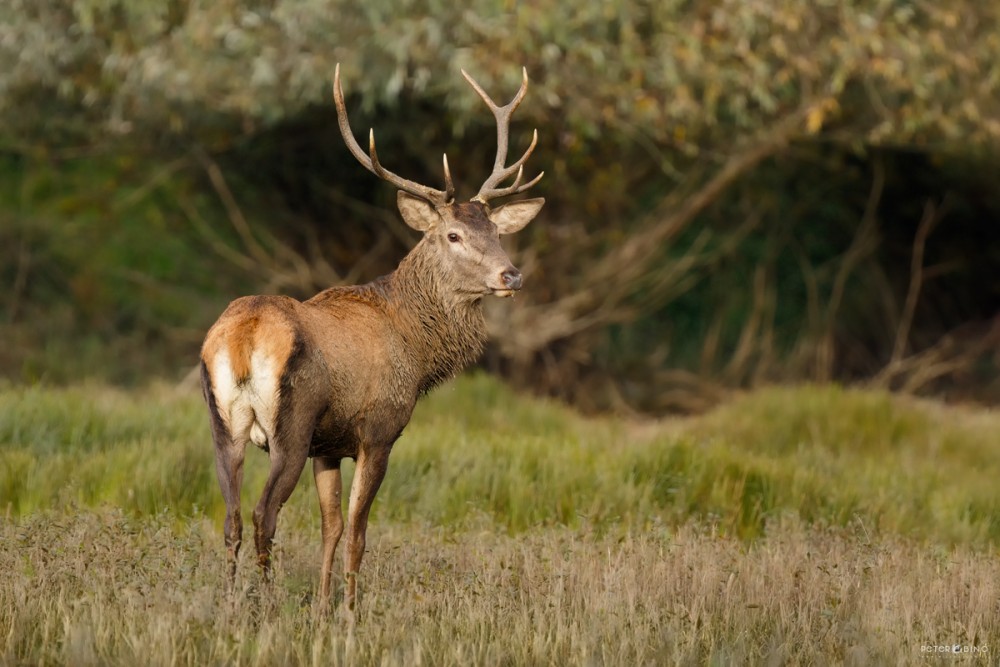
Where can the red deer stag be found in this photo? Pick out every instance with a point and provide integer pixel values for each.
(338, 375)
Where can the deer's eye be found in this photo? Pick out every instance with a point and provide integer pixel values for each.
(454, 238)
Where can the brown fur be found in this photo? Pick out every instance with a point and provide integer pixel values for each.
(339, 375)
(247, 325)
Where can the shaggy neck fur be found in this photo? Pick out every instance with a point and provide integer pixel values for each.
(447, 329)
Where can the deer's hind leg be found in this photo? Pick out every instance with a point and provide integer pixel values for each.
(288, 452)
(229, 470)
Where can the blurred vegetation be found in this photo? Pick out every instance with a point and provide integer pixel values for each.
(476, 452)
(738, 192)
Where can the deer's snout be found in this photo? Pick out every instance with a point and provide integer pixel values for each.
(511, 278)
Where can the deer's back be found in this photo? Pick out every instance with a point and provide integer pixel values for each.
(335, 360)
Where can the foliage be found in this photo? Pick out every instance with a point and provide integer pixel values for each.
(675, 72)
(106, 272)
(701, 159)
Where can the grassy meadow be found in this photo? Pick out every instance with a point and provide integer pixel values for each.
(793, 525)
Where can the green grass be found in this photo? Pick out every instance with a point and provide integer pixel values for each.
(826, 455)
(793, 525)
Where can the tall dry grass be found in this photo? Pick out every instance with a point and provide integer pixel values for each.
(101, 588)
(812, 525)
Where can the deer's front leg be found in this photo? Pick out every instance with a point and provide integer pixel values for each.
(368, 475)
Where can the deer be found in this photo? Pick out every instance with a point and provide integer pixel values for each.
(338, 376)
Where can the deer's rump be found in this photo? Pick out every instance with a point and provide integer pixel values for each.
(248, 356)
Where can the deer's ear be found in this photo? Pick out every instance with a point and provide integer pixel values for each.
(513, 216)
(417, 213)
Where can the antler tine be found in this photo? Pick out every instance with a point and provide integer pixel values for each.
(502, 173)
(449, 187)
(371, 162)
(514, 188)
(513, 104)
(503, 114)
(377, 167)
(345, 126)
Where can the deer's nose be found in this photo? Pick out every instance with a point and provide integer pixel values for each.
(511, 278)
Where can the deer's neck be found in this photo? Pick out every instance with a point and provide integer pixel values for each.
(444, 330)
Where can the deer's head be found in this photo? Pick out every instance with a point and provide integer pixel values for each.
(464, 237)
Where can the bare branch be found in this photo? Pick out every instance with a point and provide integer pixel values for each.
(236, 217)
(897, 365)
(927, 224)
(600, 296)
(20, 278)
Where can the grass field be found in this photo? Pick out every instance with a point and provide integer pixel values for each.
(799, 525)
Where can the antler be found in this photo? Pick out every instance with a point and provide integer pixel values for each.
(436, 197)
(489, 190)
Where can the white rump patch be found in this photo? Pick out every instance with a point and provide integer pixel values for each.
(264, 383)
(248, 410)
(224, 387)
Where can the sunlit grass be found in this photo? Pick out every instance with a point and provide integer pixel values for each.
(826, 455)
(104, 588)
(793, 525)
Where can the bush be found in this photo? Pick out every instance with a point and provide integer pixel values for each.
(701, 160)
